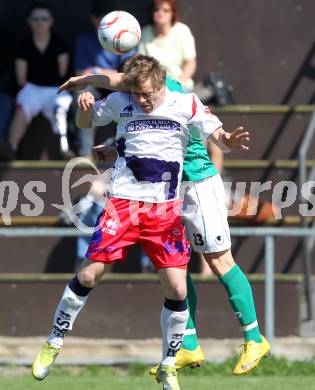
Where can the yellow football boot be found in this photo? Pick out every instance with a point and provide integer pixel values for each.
(44, 361)
(251, 355)
(185, 358)
(168, 377)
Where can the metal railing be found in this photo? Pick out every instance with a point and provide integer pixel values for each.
(269, 234)
(229, 164)
(308, 244)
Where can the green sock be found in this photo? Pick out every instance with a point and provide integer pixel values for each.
(242, 301)
(190, 340)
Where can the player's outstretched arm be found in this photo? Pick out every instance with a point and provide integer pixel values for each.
(84, 115)
(238, 139)
(112, 80)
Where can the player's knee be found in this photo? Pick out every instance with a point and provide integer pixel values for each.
(217, 269)
(87, 278)
(177, 291)
(220, 262)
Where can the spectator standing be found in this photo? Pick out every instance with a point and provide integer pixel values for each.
(170, 41)
(91, 58)
(41, 63)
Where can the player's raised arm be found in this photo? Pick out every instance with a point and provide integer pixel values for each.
(112, 80)
(238, 139)
(84, 115)
(210, 127)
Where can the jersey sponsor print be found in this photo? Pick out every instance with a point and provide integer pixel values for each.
(151, 147)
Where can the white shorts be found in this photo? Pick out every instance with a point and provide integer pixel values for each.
(34, 99)
(205, 215)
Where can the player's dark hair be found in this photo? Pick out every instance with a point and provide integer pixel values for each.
(39, 5)
(171, 3)
(140, 68)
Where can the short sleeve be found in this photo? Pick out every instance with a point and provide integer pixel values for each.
(189, 46)
(173, 85)
(105, 110)
(202, 118)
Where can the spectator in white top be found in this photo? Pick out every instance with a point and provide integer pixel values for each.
(170, 42)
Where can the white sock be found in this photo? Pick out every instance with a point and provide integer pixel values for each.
(65, 315)
(64, 145)
(173, 324)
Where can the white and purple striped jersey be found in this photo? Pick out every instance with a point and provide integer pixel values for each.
(151, 147)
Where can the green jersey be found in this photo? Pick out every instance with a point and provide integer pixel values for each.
(197, 164)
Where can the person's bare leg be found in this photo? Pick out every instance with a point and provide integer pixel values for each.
(219, 262)
(205, 269)
(91, 272)
(173, 283)
(18, 128)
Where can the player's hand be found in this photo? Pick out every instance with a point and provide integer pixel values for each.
(99, 152)
(85, 101)
(237, 139)
(74, 84)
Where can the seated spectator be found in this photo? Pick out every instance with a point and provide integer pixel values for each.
(91, 58)
(6, 86)
(170, 41)
(41, 64)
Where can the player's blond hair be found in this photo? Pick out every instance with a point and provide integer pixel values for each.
(140, 68)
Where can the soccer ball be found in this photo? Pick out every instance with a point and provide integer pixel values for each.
(119, 32)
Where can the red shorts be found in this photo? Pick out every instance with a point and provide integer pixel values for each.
(157, 227)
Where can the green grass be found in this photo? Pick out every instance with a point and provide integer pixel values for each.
(275, 374)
